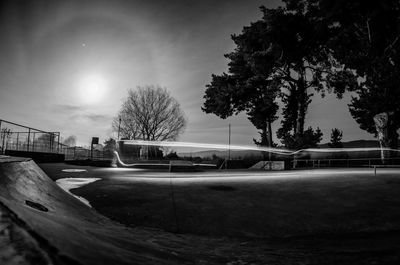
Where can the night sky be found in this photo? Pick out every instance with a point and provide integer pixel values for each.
(51, 50)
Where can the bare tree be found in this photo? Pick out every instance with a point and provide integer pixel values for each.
(150, 113)
(70, 141)
(5, 136)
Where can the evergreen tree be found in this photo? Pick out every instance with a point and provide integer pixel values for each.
(279, 55)
(336, 138)
(366, 39)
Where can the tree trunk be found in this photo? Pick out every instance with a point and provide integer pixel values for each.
(269, 133)
(264, 137)
(393, 139)
(301, 108)
(269, 141)
(392, 135)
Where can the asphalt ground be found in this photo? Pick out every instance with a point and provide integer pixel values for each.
(322, 216)
(244, 203)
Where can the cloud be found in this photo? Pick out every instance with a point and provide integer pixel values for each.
(67, 108)
(97, 117)
(80, 113)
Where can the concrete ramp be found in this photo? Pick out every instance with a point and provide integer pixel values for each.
(181, 166)
(268, 165)
(66, 229)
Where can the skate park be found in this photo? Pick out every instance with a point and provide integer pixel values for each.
(154, 216)
(199, 132)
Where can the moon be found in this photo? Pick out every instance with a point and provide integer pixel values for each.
(92, 88)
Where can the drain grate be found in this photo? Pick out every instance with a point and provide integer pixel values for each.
(36, 206)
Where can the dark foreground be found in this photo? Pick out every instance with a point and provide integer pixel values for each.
(345, 216)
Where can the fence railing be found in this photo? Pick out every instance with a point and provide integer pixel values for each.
(81, 153)
(344, 162)
(14, 136)
(18, 137)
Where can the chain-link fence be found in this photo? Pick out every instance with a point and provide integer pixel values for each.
(18, 137)
(81, 153)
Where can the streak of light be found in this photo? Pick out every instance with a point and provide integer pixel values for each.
(253, 148)
(121, 169)
(154, 164)
(73, 170)
(204, 145)
(259, 177)
(336, 150)
(136, 164)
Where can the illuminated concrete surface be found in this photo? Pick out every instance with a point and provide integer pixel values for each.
(37, 216)
(68, 184)
(248, 203)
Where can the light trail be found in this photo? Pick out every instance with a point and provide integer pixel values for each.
(136, 164)
(204, 145)
(336, 150)
(153, 164)
(280, 151)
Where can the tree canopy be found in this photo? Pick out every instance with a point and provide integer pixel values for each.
(336, 138)
(310, 46)
(70, 141)
(246, 87)
(150, 113)
(367, 39)
(275, 56)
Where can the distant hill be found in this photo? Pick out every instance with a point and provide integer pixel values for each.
(355, 144)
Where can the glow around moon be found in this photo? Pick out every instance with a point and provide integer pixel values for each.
(92, 89)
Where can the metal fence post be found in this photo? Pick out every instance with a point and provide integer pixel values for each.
(50, 141)
(33, 142)
(17, 140)
(29, 136)
(0, 136)
(58, 142)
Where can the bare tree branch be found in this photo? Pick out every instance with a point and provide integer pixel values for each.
(150, 113)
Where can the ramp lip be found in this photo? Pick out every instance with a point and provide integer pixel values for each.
(12, 159)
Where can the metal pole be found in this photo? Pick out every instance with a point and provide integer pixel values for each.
(50, 141)
(119, 127)
(29, 136)
(269, 144)
(0, 137)
(229, 143)
(3, 136)
(17, 140)
(58, 143)
(33, 142)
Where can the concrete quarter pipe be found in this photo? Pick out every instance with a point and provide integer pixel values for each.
(62, 230)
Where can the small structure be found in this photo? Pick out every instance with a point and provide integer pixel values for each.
(269, 165)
